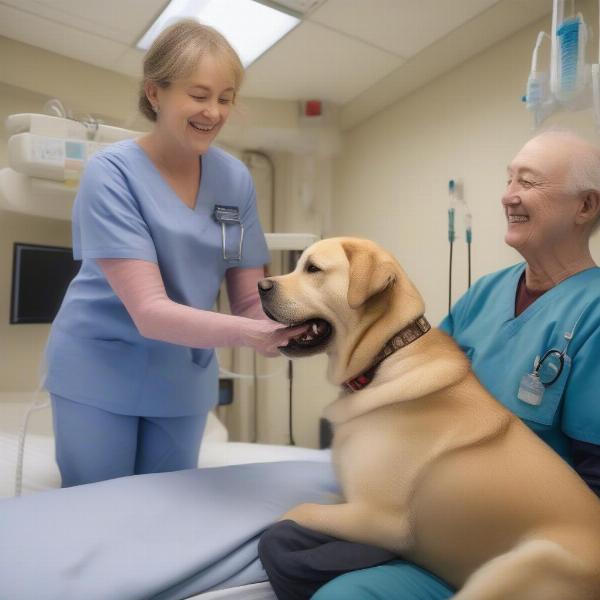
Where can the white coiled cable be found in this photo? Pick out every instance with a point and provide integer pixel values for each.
(38, 403)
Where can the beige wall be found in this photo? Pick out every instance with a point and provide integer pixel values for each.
(391, 180)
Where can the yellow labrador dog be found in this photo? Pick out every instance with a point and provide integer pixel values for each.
(432, 467)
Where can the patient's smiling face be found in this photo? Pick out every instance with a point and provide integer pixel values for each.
(539, 204)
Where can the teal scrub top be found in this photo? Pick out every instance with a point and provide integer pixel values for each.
(503, 348)
(125, 209)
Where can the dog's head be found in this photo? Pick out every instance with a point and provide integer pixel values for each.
(353, 295)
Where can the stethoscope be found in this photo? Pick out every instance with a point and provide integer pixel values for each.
(546, 370)
(549, 367)
(227, 217)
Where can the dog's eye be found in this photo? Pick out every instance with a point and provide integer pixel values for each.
(312, 268)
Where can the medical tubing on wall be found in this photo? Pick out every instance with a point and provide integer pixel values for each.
(468, 266)
(468, 238)
(450, 278)
(451, 234)
(456, 200)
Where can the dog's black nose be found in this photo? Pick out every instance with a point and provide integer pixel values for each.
(265, 286)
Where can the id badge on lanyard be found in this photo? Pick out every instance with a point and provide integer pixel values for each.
(232, 231)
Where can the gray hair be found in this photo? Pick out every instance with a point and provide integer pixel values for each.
(584, 167)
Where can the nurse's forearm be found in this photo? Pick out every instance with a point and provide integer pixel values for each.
(167, 321)
(140, 287)
(242, 289)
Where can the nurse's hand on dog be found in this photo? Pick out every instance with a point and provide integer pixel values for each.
(266, 337)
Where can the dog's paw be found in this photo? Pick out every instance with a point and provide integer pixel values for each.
(303, 514)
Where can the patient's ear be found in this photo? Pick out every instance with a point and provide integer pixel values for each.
(371, 273)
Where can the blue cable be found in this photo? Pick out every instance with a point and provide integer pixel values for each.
(451, 232)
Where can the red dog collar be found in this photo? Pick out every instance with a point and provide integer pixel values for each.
(404, 337)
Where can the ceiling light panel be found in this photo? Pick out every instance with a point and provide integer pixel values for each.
(250, 27)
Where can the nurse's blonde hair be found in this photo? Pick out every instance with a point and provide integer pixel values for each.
(177, 51)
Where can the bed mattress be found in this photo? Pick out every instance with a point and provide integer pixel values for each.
(40, 471)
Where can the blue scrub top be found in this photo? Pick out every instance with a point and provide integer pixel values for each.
(125, 209)
(502, 349)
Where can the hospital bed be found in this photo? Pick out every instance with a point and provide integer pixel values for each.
(40, 471)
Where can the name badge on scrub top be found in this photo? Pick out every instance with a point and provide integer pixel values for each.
(232, 231)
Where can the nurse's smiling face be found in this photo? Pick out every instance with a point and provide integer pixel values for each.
(539, 205)
(192, 110)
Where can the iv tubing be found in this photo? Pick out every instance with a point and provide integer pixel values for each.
(534, 57)
(451, 235)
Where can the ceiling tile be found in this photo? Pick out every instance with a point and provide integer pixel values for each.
(134, 16)
(315, 61)
(400, 26)
(55, 37)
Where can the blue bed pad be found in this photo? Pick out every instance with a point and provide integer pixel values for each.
(163, 536)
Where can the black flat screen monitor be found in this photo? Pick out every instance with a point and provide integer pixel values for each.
(40, 277)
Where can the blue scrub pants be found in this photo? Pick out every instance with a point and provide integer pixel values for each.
(396, 580)
(93, 444)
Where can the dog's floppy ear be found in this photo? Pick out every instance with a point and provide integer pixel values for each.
(370, 273)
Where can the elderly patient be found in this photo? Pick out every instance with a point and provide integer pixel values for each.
(541, 316)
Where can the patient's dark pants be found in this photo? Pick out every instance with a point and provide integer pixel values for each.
(299, 561)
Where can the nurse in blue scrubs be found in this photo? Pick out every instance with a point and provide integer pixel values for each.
(159, 223)
(532, 332)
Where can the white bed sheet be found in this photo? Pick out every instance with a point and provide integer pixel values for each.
(254, 591)
(40, 471)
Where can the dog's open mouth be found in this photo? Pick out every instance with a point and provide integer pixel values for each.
(318, 332)
(314, 338)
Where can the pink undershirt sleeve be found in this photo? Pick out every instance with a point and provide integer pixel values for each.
(242, 290)
(140, 287)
